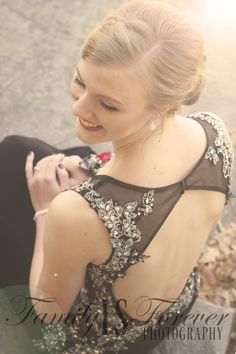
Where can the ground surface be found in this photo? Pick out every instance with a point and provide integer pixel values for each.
(40, 42)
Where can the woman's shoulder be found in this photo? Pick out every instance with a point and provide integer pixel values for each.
(74, 213)
(72, 210)
(208, 132)
(212, 120)
(219, 143)
(67, 205)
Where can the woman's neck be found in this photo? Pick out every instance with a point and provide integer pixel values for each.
(134, 145)
(149, 155)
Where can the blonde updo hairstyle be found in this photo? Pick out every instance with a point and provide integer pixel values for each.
(158, 40)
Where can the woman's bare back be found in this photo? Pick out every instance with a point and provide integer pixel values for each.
(175, 248)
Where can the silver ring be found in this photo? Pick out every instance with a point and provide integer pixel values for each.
(82, 164)
(36, 169)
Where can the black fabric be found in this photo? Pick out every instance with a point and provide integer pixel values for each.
(211, 172)
(205, 175)
(17, 228)
(151, 339)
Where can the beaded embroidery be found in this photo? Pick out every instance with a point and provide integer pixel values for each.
(222, 145)
(120, 222)
(87, 334)
(95, 303)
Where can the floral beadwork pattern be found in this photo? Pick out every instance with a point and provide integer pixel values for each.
(121, 223)
(53, 339)
(119, 331)
(222, 146)
(99, 324)
(87, 334)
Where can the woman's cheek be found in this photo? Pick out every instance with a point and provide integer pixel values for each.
(74, 109)
(120, 130)
(75, 91)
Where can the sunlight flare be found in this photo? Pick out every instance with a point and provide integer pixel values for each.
(222, 11)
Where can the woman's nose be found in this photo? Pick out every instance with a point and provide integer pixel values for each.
(80, 108)
(75, 108)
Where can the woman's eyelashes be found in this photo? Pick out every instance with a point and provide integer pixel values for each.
(108, 108)
(78, 82)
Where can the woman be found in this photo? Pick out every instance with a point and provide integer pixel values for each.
(115, 254)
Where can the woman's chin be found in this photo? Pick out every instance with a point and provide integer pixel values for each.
(88, 138)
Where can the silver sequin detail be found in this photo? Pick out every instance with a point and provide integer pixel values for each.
(89, 304)
(222, 145)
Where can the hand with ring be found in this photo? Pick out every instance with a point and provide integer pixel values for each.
(76, 174)
(46, 180)
(51, 175)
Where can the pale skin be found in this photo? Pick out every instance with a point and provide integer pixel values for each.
(44, 186)
(66, 239)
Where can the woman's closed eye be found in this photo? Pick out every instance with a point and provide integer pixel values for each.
(78, 82)
(108, 108)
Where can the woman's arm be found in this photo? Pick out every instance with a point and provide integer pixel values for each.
(37, 260)
(64, 247)
(65, 242)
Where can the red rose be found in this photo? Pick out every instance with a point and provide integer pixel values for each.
(104, 156)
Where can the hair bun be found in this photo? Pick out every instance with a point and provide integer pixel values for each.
(194, 95)
(161, 43)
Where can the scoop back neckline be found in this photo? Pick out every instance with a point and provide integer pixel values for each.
(166, 187)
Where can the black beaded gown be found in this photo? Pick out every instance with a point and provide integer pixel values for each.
(133, 215)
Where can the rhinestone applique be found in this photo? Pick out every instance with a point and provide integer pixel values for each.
(222, 146)
(53, 339)
(99, 325)
(120, 221)
(116, 333)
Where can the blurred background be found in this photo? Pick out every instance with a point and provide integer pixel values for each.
(39, 49)
(40, 43)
